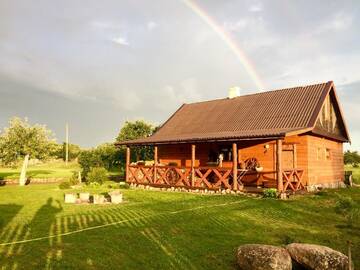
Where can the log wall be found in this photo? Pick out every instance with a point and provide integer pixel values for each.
(310, 155)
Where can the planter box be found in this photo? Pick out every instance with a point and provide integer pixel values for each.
(85, 197)
(70, 198)
(116, 197)
(98, 199)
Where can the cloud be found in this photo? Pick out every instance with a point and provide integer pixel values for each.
(121, 41)
(237, 25)
(151, 25)
(256, 7)
(105, 25)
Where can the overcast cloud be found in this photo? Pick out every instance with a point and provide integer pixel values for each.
(97, 64)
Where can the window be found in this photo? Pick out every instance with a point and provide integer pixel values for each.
(318, 153)
(327, 154)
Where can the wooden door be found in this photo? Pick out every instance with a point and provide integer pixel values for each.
(288, 157)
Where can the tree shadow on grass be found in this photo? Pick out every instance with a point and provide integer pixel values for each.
(14, 255)
(7, 213)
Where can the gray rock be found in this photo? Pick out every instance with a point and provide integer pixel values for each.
(263, 257)
(315, 257)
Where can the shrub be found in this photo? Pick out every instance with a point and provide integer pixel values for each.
(97, 175)
(124, 185)
(346, 207)
(65, 185)
(74, 179)
(89, 159)
(105, 155)
(270, 193)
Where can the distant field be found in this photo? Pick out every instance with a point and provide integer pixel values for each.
(356, 173)
(56, 169)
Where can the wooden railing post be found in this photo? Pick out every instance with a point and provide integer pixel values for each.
(193, 147)
(235, 162)
(155, 163)
(127, 163)
(279, 171)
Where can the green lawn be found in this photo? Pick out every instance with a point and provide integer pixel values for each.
(159, 230)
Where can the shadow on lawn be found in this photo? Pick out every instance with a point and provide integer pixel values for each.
(155, 235)
(7, 213)
(41, 224)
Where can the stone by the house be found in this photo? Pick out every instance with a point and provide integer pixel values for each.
(116, 197)
(263, 257)
(84, 197)
(70, 198)
(315, 257)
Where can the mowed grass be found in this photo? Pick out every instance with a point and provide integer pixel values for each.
(160, 230)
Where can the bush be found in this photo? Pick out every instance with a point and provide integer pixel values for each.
(89, 159)
(74, 179)
(97, 175)
(105, 155)
(65, 185)
(124, 185)
(270, 193)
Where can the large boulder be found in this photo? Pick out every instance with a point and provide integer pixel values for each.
(315, 257)
(263, 257)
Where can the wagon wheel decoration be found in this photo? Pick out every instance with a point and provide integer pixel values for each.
(172, 176)
(251, 164)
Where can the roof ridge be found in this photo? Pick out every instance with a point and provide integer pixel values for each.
(259, 93)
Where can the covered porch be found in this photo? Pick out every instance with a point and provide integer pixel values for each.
(226, 173)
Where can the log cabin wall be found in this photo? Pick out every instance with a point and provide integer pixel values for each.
(181, 153)
(326, 161)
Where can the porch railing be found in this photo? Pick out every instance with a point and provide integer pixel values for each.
(211, 177)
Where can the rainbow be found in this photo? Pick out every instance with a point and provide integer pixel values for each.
(229, 40)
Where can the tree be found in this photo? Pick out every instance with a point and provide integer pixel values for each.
(106, 155)
(21, 141)
(136, 130)
(74, 151)
(352, 158)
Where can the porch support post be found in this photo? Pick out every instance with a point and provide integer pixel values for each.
(235, 162)
(193, 147)
(127, 163)
(155, 163)
(279, 166)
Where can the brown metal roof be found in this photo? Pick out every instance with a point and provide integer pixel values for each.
(272, 114)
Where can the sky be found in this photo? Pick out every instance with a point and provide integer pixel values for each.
(96, 64)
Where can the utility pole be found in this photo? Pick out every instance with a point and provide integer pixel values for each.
(67, 144)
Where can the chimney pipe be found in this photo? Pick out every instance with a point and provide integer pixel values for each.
(234, 92)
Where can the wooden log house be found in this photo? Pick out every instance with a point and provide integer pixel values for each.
(288, 139)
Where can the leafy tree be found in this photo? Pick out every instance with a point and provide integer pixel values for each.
(74, 151)
(21, 139)
(89, 159)
(352, 158)
(135, 130)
